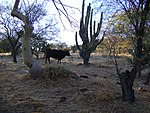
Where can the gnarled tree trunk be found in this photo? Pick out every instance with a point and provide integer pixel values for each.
(14, 54)
(35, 67)
(147, 79)
(127, 79)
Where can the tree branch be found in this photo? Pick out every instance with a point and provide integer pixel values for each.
(63, 11)
(16, 13)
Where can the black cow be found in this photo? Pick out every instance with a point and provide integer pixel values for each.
(57, 54)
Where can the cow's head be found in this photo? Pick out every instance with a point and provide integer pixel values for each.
(67, 53)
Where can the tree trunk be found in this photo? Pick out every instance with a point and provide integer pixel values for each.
(35, 68)
(126, 85)
(127, 78)
(147, 79)
(14, 56)
(139, 52)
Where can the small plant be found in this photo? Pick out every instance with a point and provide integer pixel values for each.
(56, 73)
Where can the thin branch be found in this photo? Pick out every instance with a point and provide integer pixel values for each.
(116, 64)
(71, 19)
(58, 13)
(64, 5)
(16, 13)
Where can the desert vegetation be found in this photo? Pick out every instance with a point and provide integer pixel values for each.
(107, 72)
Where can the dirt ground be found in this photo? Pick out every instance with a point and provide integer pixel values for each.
(85, 89)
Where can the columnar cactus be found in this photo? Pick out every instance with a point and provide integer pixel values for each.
(90, 41)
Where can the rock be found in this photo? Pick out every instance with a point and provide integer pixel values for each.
(83, 76)
(83, 89)
(62, 99)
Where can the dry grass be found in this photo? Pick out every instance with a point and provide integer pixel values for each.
(103, 94)
(62, 90)
(58, 72)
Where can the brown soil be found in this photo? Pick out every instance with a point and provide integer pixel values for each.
(82, 89)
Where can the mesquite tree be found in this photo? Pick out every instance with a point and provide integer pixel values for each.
(11, 30)
(35, 67)
(126, 81)
(90, 41)
(137, 12)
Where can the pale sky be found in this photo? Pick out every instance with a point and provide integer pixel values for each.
(66, 36)
(69, 36)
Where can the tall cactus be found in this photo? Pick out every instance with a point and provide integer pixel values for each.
(90, 41)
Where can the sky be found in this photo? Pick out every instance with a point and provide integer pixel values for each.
(67, 36)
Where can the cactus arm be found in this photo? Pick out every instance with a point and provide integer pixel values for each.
(99, 26)
(96, 43)
(91, 19)
(101, 19)
(82, 22)
(83, 9)
(82, 26)
(94, 27)
(78, 47)
(87, 18)
(83, 32)
(102, 38)
(82, 16)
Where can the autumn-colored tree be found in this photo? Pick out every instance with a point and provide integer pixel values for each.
(137, 12)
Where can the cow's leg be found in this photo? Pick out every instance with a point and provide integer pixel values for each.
(45, 60)
(59, 62)
(49, 60)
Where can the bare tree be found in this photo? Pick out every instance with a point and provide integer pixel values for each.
(11, 30)
(35, 67)
(137, 11)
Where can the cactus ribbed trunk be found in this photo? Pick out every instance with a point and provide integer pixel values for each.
(85, 56)
(86, 59)
(90, 41)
